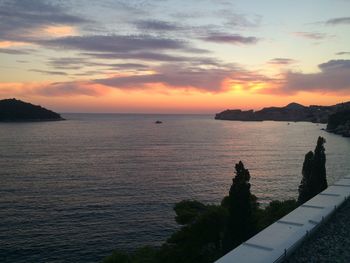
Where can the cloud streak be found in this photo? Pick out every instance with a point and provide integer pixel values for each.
(49, 72)
(173, 77)
(338, 21)
(310, 35)
(156, 25)
(116, 43)
(230, 39)
(282, 61)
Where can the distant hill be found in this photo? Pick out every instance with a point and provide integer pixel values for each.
(291, 112)
(12, 110)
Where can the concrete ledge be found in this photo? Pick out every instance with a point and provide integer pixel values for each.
(280, 239)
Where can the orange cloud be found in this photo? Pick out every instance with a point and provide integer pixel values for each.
(59, 31)
(49, 89)
(6, 44)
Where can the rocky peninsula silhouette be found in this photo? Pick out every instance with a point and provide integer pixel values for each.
(293, 112)
(13, 110)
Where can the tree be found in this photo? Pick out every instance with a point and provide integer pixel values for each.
(314, 178)
(241, 205)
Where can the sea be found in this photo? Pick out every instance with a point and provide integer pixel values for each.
(75, 190)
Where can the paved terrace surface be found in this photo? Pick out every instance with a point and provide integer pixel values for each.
(331, 242)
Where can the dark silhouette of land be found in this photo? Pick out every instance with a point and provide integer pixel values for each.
(13, 110)
(292, 112)
(339, 123)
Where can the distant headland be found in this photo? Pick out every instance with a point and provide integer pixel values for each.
(292, 112)
(13, 110)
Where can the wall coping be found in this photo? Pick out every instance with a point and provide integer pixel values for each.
(276, 242)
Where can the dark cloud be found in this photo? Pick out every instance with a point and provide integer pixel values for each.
(49, 72)
(338, 64)
(173, 76)
(116, 43)
(19, 18)
(230, 39)
(67, 62)
(310, 35)
(122, 66)
(80, 62)
(148, 56)
(338, 21)
(156, 25)
(89, 73)
(333, 78)
(342, 53)
(281, 61)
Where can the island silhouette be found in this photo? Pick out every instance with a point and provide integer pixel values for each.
(13, 110)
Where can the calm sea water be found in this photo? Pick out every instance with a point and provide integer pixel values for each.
(73, 191)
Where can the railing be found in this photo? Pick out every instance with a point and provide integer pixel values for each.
(276, 242)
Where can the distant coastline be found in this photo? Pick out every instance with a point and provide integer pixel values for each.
(336, 116)
(293, 112)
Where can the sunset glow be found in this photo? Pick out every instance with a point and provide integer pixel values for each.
(170, 56)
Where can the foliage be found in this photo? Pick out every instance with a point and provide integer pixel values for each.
(337, 119)
(117, 257)
(240, 206)
(198, 240)
(142, 255)
(314, 178)
(187, 211)
(274, 211)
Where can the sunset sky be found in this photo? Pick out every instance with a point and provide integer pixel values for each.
(174, 56)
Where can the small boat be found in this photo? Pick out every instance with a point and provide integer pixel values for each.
(158, 122)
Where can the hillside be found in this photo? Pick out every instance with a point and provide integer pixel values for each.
(291, 112)
(12, 110)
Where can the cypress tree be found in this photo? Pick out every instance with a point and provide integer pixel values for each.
(240, 206)
(314, 178)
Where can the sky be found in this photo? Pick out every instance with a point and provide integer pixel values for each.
(174, 56)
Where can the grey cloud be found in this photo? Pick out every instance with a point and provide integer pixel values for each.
(67, 62)
(230, 39)
(338, 21)
(342, 53)
(146, 56)
(80, 62)
(282, 61)
(156, 25)
(310, 35)
(175, 77)
(116, 43)
(334, 77)
(338, 64)
(49, 72)
(20, 17)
